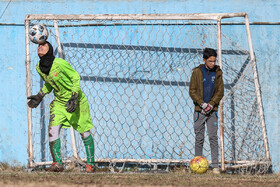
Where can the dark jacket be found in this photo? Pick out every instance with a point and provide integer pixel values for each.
(196, 88)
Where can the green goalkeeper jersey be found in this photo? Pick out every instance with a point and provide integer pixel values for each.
(62, 79)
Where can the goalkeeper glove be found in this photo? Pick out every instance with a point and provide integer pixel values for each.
(203, 105)
(203, 112)
(208, 109)
(72, 103)
(35, 100)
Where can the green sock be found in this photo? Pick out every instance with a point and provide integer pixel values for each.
(55, 150)
(89, 145)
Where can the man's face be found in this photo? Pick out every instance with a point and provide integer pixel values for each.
(210, 62)
(43, 49)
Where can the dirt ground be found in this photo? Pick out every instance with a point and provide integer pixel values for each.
(22, 178)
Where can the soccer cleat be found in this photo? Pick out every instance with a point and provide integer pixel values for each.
(216, 171)
(55, 167)
(90, 168)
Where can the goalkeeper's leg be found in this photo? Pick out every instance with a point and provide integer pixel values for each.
(89, 146)
(55, 146)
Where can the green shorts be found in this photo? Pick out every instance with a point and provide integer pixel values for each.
(80, 119)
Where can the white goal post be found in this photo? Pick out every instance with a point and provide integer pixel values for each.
(135, 71)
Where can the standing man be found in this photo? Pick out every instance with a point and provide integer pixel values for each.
(69, 108)
(206, 91)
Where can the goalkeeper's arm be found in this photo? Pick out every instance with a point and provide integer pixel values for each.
(35, 100)
(75, 79)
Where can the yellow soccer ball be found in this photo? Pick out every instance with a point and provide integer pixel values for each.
(199, 164)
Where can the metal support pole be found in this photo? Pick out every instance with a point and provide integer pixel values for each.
(257, 88)
(221, 111)
(28, 93)
(60, 54)
(57, 39)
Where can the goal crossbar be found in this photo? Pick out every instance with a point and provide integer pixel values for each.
(199, 16)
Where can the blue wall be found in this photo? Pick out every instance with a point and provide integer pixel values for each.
(13, 127)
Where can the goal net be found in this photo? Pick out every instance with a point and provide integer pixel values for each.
(135, 72)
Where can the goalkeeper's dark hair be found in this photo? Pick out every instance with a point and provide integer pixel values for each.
(208, 52)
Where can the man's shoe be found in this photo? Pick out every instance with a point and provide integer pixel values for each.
(55, 167)
(216, 171)
(90, 168)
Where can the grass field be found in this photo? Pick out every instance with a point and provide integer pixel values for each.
(21, 177)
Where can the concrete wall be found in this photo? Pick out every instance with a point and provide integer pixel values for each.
(13, 126)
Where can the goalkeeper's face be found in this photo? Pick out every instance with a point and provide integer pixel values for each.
(43, 49)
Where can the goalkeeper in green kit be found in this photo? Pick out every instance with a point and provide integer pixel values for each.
(69, 108)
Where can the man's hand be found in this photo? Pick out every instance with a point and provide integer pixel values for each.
(35, 100)
(208, 108)
(72, 103)
(203, 105)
